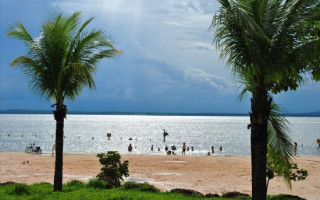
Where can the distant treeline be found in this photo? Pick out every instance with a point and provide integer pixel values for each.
(311, 114)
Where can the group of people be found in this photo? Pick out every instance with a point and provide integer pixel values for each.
(212, 149)
(173, 148)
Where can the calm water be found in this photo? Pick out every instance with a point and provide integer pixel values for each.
(87, 133)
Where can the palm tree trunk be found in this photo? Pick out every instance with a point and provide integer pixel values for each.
(59, 115)
(260, 106)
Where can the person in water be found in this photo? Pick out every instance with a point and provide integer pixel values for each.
(184, 147)
(165, 134)
(130, 148)
(166, 148)
(151, 147)
(212, 149)
(220, 148)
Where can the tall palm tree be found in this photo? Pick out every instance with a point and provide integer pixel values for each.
(279, 144)
(60, 62)
(265, 42)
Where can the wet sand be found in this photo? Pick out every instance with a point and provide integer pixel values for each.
(206, 174)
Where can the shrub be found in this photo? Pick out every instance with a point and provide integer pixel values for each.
(112, 170)
(97, 183)
(149, 188)
(130, 185)
(20, 190)
(75, 184)
(145, 187)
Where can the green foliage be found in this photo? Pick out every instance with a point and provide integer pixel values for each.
(75, 184)
(280, 147)
(44, 191)
(60, 62)
(20, 190)
(112, 170)
(297, 174)
(62, 59)
(280, 150)
(291, 172)
(145, 187)
(269, 51)
(268, 41)
(97, 183)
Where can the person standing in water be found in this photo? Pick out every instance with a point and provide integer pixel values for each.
(295, 148)
(165, 134)
(130, 148)
(184, 147)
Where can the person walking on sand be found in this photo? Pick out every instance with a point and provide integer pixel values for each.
(184, 147)
(295, 148)
(53, 149)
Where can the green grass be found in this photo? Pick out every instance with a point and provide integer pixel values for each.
(77, 190)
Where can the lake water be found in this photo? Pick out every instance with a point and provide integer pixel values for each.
(88, 133)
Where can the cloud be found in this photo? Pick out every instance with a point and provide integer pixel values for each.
(168, 63)
(216, 82)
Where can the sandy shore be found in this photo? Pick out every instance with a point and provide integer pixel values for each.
(206, 174)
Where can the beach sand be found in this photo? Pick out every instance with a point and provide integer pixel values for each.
(206, 174)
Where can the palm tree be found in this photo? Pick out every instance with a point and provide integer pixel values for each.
(60, 63)
(279, 144)
(263, 41)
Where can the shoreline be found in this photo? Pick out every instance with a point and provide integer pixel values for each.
(206, 174)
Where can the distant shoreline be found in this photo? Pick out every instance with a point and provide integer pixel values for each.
(17, 111)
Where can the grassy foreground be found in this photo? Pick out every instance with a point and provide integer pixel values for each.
(76, 190)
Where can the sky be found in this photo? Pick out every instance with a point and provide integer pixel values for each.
(168, 63)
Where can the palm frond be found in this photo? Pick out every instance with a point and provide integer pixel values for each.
(62, 60)
(260, 38)
(19, 32)
(280, 146)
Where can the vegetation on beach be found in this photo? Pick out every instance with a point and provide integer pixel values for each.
(75, 190)
(269, 45)
(112, 170)
(60, 62)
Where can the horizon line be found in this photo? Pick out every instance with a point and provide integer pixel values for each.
(27, 111)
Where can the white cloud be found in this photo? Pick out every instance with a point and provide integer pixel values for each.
(217, 82)
(172, 32)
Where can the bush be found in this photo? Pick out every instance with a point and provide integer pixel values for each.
(112, 170)
(97, 183)
(75, 184)
(145, 187)
(286, 197)
(149, 188)
(20, 190)
(130, 185)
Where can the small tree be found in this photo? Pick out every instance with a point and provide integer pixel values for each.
(112, 170)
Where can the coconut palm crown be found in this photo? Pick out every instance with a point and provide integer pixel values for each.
(60, 62)
(268, 44)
